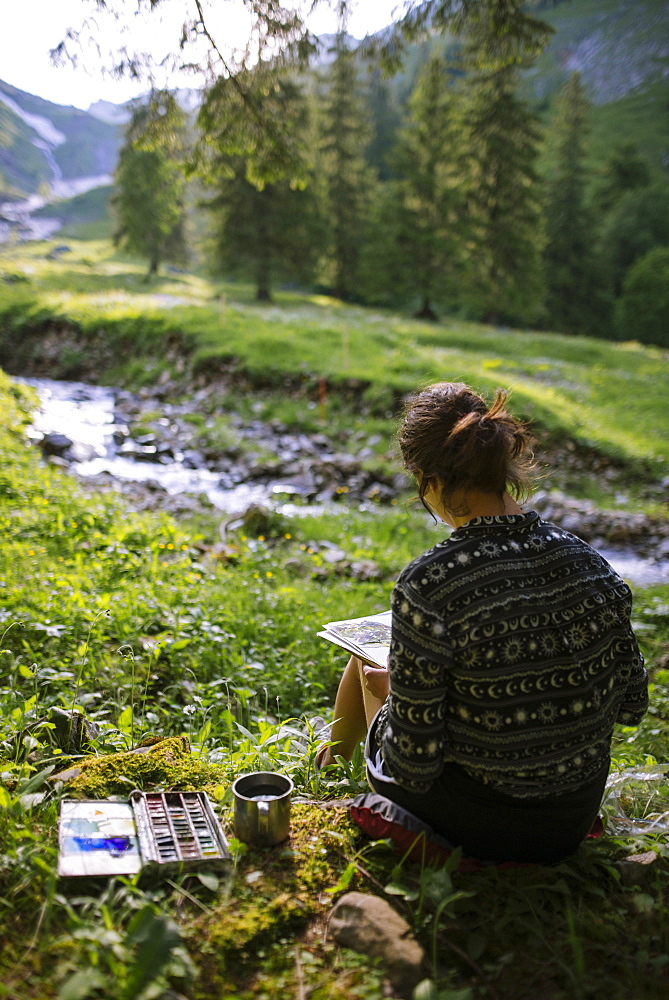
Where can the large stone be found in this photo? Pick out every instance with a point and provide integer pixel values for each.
(55, 444)
(369, 925)
(637, 869)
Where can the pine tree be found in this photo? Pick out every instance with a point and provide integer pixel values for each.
(569, 259)
(266, 234)
(345, 135)
(625, 170)
(430, 186)
(148, 200)
(267, 230)
(385, 119)
(501, 139)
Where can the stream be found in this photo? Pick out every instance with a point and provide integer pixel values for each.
(84, 427)
(87, 415)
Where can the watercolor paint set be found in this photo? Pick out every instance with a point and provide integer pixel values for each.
(162, 831)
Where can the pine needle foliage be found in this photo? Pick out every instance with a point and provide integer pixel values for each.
(148, 200)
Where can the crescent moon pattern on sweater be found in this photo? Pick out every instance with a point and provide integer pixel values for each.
(512, 654)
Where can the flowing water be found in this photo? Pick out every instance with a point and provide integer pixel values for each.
(87, 415)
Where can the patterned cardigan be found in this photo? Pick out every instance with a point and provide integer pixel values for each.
(512, 655)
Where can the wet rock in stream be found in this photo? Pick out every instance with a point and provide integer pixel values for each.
(648, 536)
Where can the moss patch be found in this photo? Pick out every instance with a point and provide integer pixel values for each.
(266, 932)
(167, 764)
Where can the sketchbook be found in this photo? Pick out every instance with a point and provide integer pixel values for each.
(368, 637)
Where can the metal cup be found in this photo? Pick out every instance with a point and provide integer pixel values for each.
(262, 808)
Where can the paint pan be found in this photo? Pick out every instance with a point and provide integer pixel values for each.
(167, 832)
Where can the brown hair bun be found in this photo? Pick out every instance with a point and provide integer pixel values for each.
(449, 433)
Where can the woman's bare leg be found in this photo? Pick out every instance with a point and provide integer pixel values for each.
(354, 709)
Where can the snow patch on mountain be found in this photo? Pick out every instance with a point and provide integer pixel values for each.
(45, 129)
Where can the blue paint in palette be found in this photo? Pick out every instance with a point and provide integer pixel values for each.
(116, 845)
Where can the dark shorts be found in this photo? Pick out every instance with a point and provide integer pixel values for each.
(492, 826)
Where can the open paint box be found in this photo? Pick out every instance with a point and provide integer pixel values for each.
(164, 831)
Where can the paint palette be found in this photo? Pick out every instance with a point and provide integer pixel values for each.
(163, 831)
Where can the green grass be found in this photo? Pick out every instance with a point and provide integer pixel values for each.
(606, 395)
(146, 627)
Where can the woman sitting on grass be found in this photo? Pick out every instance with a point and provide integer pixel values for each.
(511, 657)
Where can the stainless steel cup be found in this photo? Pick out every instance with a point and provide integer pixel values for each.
(262, 808)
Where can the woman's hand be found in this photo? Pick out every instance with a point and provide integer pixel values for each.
(377, 681)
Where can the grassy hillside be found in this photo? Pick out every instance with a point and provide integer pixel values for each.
(84, 217)
(609, 396)
(23, 167)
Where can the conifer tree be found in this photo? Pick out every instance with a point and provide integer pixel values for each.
(385, 120)
(625, 170)
(266, 231)
(569, 257)
(431, 187)
(148, 200)
(501, 138)
(345, 134)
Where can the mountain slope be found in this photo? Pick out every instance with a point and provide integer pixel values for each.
(69, 143)
(621, 50)
(620, 47)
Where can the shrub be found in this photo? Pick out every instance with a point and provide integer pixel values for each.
(643, 310)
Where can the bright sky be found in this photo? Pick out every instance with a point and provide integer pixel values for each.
(30, 28)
